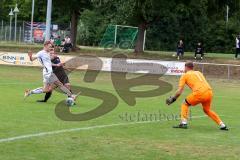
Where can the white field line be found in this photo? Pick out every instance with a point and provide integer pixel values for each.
(18, 83)
(42, 134)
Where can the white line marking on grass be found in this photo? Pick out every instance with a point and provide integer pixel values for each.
(18, 83)
(42, 134)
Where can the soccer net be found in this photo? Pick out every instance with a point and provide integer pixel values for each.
(119, 36)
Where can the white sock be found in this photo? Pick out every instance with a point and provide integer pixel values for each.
(37, 91)
(222, 125)
(184, 121)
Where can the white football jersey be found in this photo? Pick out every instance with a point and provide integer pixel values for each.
(45, 60)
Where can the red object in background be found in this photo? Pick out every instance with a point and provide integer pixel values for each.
(38, 35)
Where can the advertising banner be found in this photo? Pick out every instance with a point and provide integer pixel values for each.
(130, 65)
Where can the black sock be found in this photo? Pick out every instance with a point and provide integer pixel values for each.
(47, 96)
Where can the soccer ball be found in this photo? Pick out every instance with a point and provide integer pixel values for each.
(70, 101)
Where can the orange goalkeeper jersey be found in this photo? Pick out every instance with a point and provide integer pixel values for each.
(194, 80)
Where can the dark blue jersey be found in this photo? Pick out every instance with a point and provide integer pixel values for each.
(57, 70)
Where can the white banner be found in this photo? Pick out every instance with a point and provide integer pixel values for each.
(15, 59)
(144, 66)
(109, 64)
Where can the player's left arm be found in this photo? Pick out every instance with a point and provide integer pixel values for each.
(59, 63)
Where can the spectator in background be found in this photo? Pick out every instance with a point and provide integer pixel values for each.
(67, 40)
(57, 41)
(180, 49)
(199, 50)
(67, 44)
(62, 45)
(237, 46)
(52, 39)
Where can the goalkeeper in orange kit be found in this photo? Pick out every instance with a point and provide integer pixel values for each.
(201, 94)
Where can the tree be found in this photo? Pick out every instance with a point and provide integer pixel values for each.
(74, 8)
(165, 21)
(143, 13)
(94, 21)
(25, 7)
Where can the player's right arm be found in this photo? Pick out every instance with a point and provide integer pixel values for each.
(31, 57)
(179, 91)
(181, 85)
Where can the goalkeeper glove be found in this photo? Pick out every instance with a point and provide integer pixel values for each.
(170, 100)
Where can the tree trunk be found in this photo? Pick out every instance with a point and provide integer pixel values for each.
(74, 24)
(140, 38)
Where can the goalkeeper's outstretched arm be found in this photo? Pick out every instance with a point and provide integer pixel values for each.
(172, 99)
(178, 93)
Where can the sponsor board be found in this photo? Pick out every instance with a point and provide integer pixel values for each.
(150, 66)
(15, 59)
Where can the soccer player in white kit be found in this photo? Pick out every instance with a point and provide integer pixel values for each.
(50, 80)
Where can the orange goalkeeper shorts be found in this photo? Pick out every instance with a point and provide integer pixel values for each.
(204, 98)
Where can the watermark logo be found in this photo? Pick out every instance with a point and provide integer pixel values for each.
(121, 83)
(159, 116)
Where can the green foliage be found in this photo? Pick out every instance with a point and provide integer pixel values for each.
(188, 22)
(166, 21)
(91, 28)
(169, 21)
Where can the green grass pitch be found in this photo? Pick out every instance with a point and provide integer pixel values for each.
(102, 138)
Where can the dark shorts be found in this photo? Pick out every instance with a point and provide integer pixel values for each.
(237, 50)
(63, 78)
(199, 53)
(180, 51)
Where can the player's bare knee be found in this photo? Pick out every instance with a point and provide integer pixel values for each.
(45, 90)
(58, 83)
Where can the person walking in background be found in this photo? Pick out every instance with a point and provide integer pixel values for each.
(237, 46)
(180, 49)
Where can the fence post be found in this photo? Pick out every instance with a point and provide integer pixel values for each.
(23, 34)
(202, 68)
(20, 33)
(2, 31)
(5, 33)
(228, 71)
